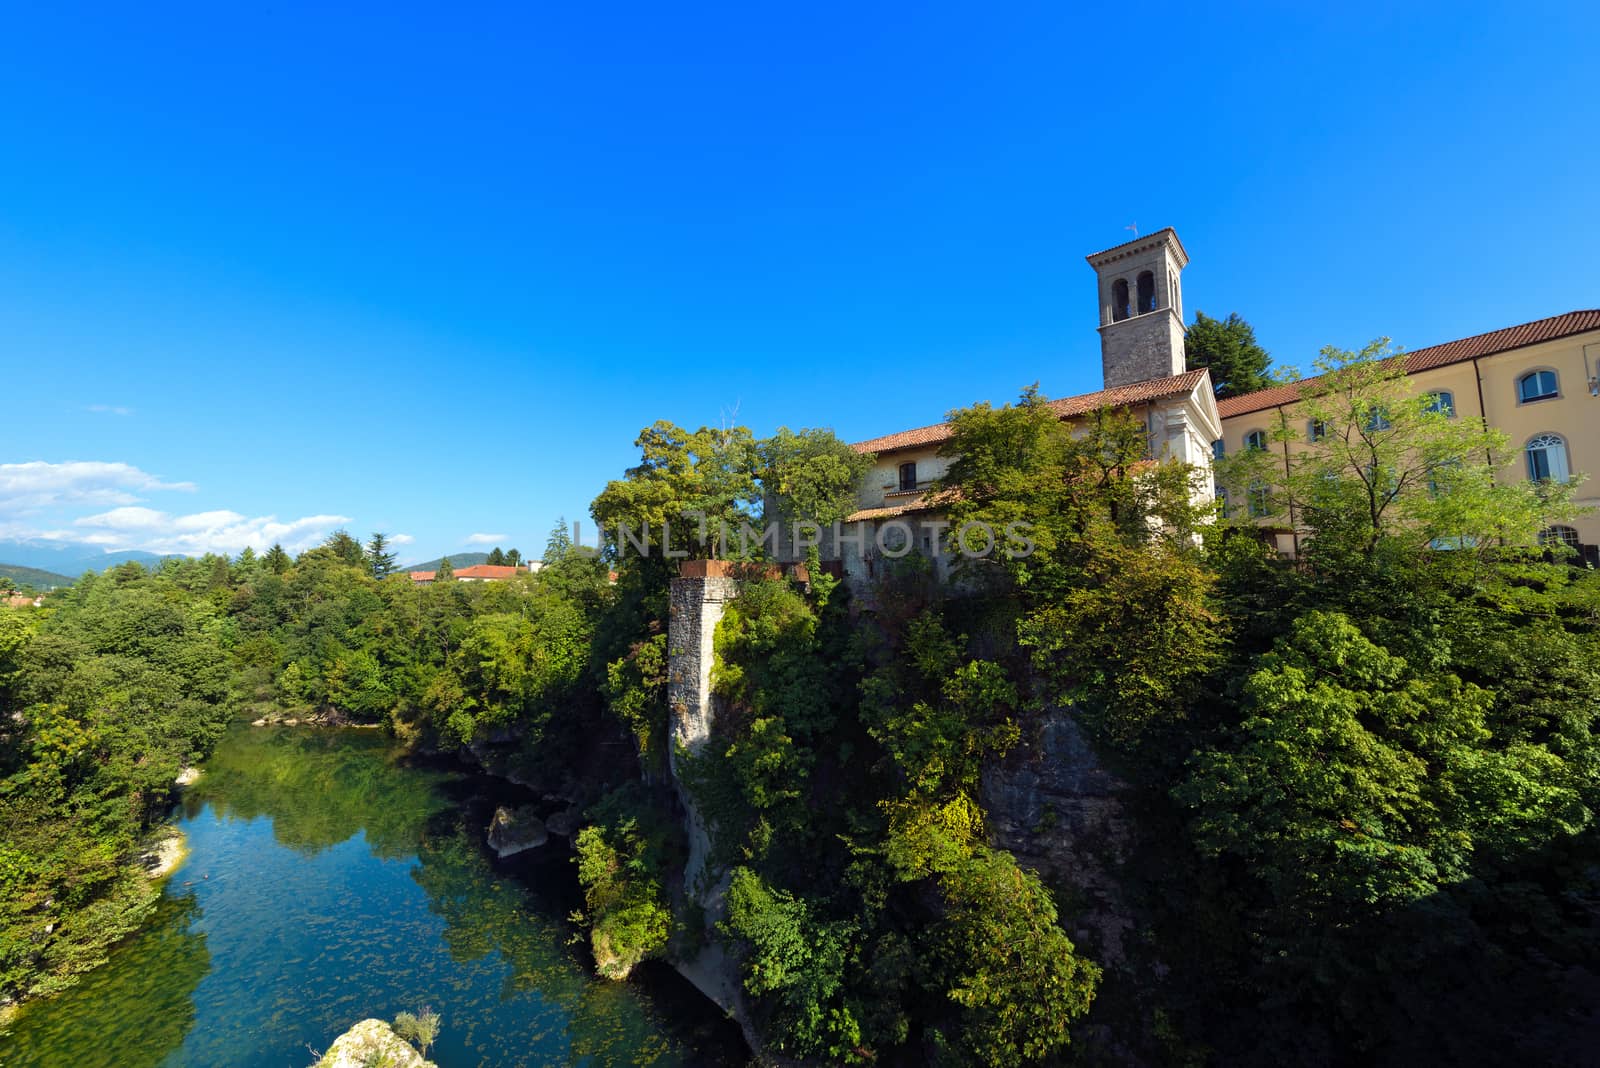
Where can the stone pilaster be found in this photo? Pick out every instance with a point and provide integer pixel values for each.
(696, 606)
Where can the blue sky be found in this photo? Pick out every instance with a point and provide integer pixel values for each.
(266, 269)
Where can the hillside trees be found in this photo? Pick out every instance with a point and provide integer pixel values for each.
(106, 699)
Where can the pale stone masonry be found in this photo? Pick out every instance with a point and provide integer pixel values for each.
(1141, 308)
(697, 602)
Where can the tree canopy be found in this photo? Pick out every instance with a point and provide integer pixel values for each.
(1228, 348)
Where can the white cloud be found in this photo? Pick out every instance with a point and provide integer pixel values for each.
(109, 409)
(402, 539)
(219, 531)
(37, 484)
(484, 539)
(132, 517)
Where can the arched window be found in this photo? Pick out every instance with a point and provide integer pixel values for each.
(1442, 401)
(1172, 290)
(1256, 440)
(1119, 300)
(1552, 536)
(908, 477)
(1537, 385)
(1260, 499)
(1147, 292)
(1547, 459)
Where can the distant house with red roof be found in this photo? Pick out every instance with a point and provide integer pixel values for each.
(479, 573)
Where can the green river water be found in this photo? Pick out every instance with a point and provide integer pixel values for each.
(327, 882)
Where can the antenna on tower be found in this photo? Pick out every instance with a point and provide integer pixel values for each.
(1134, 227)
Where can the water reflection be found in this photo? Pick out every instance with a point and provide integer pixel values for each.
(328, 882)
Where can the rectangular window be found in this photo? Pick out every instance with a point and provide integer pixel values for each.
(1317, 431)
(908, 477)
(1218, 449)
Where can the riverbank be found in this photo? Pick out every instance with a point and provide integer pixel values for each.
(330, 871)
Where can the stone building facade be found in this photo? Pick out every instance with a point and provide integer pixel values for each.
(1538, 382)
(1140, 291)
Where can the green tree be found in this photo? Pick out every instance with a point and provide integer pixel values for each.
(1228, 348)
(702, 483)
(1113, 598)
(497, 558)
(446, 571)
(811, 475)
(1374, 469)
(380, 561)
(277, 560)
(513, 557)
(558, 545)
(420, 1028)
(347, 550)
(621, 859)
(798, 962)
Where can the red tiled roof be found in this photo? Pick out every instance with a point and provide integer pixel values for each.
(489, 571)
(924, 503)
(1467, 348)
(422, 576)
(1117, 397)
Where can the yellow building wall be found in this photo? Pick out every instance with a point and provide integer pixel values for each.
(1574, 414)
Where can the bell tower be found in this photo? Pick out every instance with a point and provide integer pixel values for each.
(1141, 308)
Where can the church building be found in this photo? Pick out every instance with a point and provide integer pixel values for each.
(1538, 382)
(1140, 288)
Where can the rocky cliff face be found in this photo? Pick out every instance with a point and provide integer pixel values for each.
(1052, 805)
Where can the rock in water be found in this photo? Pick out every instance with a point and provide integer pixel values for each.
(513, 830)
(371, 1042)
(163, 853)
(187, 777)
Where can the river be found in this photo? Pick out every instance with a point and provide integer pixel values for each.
(328, 880)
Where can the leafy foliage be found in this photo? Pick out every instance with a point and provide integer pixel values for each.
(1227, 347)
(622, 860)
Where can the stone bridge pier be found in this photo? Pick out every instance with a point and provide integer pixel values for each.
(698, 598)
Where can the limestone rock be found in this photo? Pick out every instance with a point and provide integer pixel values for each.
(371, 1042)
(161, 856)
(514, 830)
(1054, 806)
(187, 777)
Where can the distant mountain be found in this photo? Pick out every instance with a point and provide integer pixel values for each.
(34, 578)
(457, 560)
(67, 558)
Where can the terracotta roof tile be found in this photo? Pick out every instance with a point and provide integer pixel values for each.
(489, 571)
(1066, 407)
(1467, 348)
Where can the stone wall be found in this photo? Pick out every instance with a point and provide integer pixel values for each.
(696, 606)
(1143, 347)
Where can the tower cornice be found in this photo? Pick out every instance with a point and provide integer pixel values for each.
(1167, 237)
